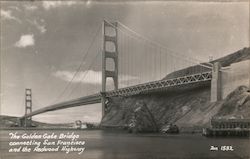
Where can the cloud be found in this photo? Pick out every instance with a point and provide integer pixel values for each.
(40, 27)
(25, 41)
(90, 77)
(54, 4)
(9, 85)
(88, 3)
(7, 15)
(30, 7)
(14, 8)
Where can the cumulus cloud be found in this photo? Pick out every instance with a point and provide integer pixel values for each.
(7, 15)
(88, 77)
(54, 4)
(25, 41)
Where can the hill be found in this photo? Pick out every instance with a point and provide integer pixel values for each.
(241, 55)
(10, 121)
(190, 108)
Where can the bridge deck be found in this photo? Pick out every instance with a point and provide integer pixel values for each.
(161, 84)
(92, 99)
(128, 91)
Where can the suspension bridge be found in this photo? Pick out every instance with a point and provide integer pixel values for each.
(122, 62)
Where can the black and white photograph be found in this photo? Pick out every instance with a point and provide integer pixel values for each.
(125, 79)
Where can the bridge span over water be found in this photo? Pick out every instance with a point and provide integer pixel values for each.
(154, 86)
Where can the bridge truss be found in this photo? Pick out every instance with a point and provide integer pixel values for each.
(161, 84)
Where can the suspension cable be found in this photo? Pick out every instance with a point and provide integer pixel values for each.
(86, 72)
(151, 41)
(79, 68)
(178, 55)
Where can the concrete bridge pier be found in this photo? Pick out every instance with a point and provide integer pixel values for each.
(20, 122)
(103, 101)
(216, 92)
(24, 122)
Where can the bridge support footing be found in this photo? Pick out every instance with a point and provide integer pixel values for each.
(22, 122)
(103, 100)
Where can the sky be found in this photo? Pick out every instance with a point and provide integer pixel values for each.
(43, 42)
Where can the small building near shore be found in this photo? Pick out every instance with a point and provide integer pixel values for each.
(228, 127)
(230, 123)
(80, 125)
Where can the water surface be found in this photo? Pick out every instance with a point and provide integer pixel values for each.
(121, 145)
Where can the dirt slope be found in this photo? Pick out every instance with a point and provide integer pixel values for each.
(237, 104)
(168, 107)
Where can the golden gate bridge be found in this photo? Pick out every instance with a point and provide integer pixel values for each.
(122, 62)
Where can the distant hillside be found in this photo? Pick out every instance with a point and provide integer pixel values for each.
(189, 108)
(7, 121)
(241, 55)
(10, 121)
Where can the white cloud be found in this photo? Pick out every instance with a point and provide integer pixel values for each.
(30, 7)
(25, 41)
(53, 4)
(88, 3)
(40, 27)
(14, 8)
(90, 77)
(7, 15)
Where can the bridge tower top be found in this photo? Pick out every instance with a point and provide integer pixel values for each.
(110, 51)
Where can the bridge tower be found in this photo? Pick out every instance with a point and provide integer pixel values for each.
(28, 106)
(109, 52)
